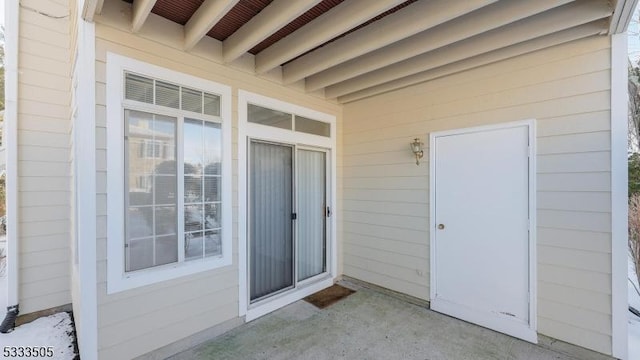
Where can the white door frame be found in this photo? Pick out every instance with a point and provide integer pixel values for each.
(530, 333)
(267, 133)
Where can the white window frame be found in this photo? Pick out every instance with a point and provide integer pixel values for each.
(117, 279)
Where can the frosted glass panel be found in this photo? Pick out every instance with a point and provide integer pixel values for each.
(264, 116)
(311, 126)
(311, 213)
(270, 226)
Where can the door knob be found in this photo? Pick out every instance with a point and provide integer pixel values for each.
(440, 226)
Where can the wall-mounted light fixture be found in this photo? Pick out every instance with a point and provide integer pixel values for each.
(416, 147)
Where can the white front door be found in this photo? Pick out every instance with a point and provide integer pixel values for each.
(481, 243)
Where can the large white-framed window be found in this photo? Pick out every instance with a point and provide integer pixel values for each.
(168, 174)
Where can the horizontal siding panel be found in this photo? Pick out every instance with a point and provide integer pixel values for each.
(112, 334)
(42, 168)
(575, 335)
(45, 287)
(44, 243)
(35, 153)
(583, 162)
(386, 207)
(48, 301)
(380, 158)
(396, 246)
(574, 124)
(44, 272)
(45, 23)
(573, 220)
(406, 222)
(588, 280)
(31, 199)
(400, 273)
(43, 258)
(40, 109)
(165, 299)
(44, 124)
(44, 213)
(375, 146)
(141, 345)
(575, 259)
(578, 201)
(409, 196)
(409, 262)
(396, 170)
(40, 184)
(568, 182)
(573, 315)
(585, 299)
(385, 232)
(575, 239)
(33, 47)
(44, 228)
(43, 63)
(386, 182)
(381, 279)
(45, 80)
(574, 143)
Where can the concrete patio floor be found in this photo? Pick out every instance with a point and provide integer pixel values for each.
(372, 325)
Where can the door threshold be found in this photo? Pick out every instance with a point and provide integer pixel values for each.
(274, 303)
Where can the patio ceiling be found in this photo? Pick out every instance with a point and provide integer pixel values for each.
(351, 49)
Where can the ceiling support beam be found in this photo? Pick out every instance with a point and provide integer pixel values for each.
(404, 23)
(576, 33)
(268, 21)
(562, 18)
(141, 10)
(207, 15)
(483, 20)
(334, 22)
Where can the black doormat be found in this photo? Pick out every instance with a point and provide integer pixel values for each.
(328, 296)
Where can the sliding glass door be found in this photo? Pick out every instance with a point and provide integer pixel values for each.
(287, 217)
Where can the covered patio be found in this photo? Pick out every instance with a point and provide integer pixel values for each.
(371, 324)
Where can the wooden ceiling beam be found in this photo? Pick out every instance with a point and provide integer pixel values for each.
(562, 18)
(141, 10)
(334, 22)
(565, 36)
(268, 21)
(403, 23)
(207, 15)
(483, 20)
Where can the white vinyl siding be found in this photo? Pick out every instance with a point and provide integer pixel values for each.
(134, 322)
(566, 89)
(44, 158)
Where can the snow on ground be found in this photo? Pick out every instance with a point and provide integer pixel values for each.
(634, 321)
(55, 331)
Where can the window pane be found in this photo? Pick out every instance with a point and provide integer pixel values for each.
(165, 190)
(211, 104)
(167, 94)
(193, 245)
(212, 243)
(192, 100)
(264, 116)
(212, 148)
(193, 218)
(211, 188)
(138, 88)
(314, 127)
(166, 249)
(140, 222)
(192, 189)
(152, 189)
(212, 216)
(139, 254)
(165, 220)
(193, 147)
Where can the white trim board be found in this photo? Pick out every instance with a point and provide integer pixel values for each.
(117, 279)
(84, 129)
(619, 210)
(526, 332)
(245, 130)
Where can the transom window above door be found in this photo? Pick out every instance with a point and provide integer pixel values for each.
(169, 174)
(283, 120)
